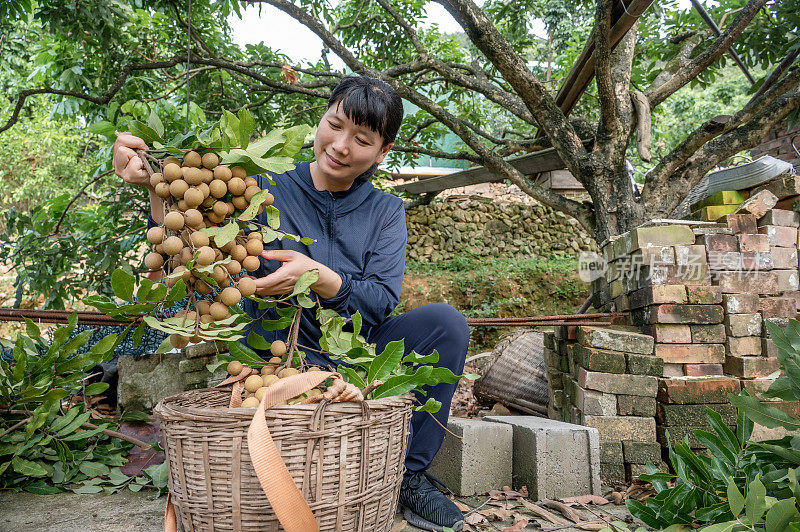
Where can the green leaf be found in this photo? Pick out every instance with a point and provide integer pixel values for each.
(768, 416)
(273, 217)
(164, 347)
(729, 526)
(415, 358)
(28, 468)
(295, 136)
(351, 376)
(41, 488)
(64, 420)
(73, 425)
(246, 127)
(780, 515)
(176, 293)
(93, 469)
(155, 123)
(257, 341)
(242, 353)
(158, 474)
(102, 127)
(431, 405)
(230, 126)
(754, 502)
(386, 362)
(96, 388)
(32, 329)
(122, 283)
(144, 132)
(304, 282)
(255, 203)
(357, 322)
(401, 384)
(735, 498)
(88, 489)
(226, 233)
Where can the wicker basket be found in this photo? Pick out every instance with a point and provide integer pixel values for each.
(346, 458)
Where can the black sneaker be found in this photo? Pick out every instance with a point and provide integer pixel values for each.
(426, 507)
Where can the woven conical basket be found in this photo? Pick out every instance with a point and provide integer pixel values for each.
(347, 459)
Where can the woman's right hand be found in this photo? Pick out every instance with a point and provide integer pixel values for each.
(126, 161)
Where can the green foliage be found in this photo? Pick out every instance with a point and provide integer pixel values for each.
(51, 452)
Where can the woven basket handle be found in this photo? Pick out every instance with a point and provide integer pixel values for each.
(285, 498)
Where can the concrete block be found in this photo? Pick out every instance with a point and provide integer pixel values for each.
(623, 427)
(553, 459)
(480, 461)
(618, 384)
(615, 339)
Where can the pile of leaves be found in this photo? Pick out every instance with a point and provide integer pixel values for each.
(47, 442)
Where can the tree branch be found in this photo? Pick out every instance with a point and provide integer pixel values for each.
(693, 69)
(609, 126)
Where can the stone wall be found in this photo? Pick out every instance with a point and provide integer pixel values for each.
(440, 231)
(695, 300)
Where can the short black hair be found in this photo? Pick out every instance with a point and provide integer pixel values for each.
(371, 103)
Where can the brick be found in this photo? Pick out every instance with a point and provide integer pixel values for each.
(638, 364)
(780, 217)
(697, 390)
(740, 303)
(664, 235)
(781, 188)
(691, 353)
(670, 334)
(741, 223)
(712, 229)
(686, 314)
(777, 307)
(688, 255)
(743, 324)
(724, 261)
(702, 370)
(653, 255)
(623, 427)
(768, 348)
(639, 452)
(787, 280)
(704, 295)
(594, 403)
(756, 260)
(612, 474)
(475, 456)
(750, 366)
(743, 346)
(694, 415)
(779, 322)
(779, 236)
(719, 242)
(757, 387)
(616, 339)
(794, 294)
(759, 203)
(553, 459)
(673, 370)
(755, 282)
(206, 349)
(634, 405)
(190, 365)
(654, 295)
(708, 334)
(757, 242)
(599, 359)
(618, 384)
(611, 452)
(783, 258)
(694, 274)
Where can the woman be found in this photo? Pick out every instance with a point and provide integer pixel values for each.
(360, 235)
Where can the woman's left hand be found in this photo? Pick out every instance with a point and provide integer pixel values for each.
(295, 264)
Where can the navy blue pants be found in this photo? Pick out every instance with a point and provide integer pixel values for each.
(435, 326)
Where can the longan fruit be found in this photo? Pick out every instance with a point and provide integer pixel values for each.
(174, 221)
(251, 402)
(267, 370)
(209, 201)
(177, 341)
(193, 218)
(250, 182)
(223, 173)
(158, 249)
(156, 178)
(238, 252)
(162, 190)
(199, 239)
(246, 286)
(276, 360)
(216, 218)
(203, 306)
(207, 175)
(269, 380)
(219, 311)
(178, 188)
(190, 317)
(206, 319)
(186, 255)
(220, 275)
(234, 267)
(253, 383)
(210, 160)
(268, 200)
(220, 208)
(192, 158)
(251, 191)
(313, 392)
(230, 296)
(239, 202)
(236, 186)
(218, 188)
(172, 172)
(260, 393)
(193, 176)
(185, 274)
(153, 261)
(206, 256)
(172, 245)
(193, 197)
(155, 235)
(171, 159)
(278, 349)
(202, 287)
(238, 171)
(287, 372)
(254, 247)
(251, 263)
(235, 367)
(255, 235)
(231, 208)
(182, 205)
(203, 187)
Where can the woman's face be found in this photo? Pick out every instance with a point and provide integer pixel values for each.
(344, 150)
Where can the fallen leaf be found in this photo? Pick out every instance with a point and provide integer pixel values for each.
(461, 506)
(585, 499)
(495, 514)
(616, 497)
(524, 491)
(569, 513)
(516, 527)
(289, 74)
(541, 512)
(592, 525)
(474, 519)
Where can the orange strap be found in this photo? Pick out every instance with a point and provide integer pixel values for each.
(285, 498)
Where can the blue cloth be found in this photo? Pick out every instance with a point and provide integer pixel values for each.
(360, 234)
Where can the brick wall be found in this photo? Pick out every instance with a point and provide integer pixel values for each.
(779, 145)
(696, 299)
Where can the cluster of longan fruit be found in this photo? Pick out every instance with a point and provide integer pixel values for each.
(255, 386)
(201, 193)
